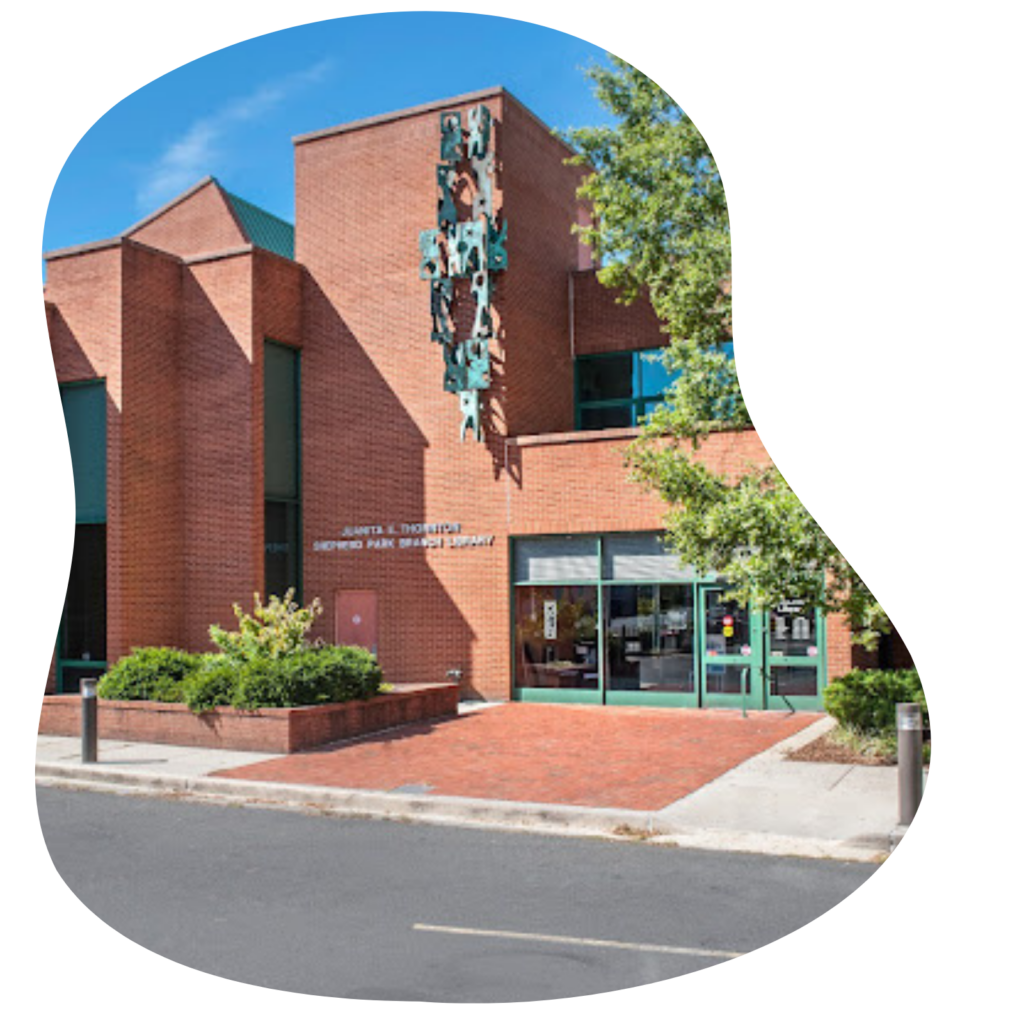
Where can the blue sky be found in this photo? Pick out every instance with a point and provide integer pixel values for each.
(108, 114)
(227, 99)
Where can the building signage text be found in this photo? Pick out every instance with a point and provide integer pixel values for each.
(402, 537)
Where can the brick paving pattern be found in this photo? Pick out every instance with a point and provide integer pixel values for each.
(638, 759)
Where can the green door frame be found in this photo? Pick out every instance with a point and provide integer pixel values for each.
(759, 662)
(753, 662)
(818, 661)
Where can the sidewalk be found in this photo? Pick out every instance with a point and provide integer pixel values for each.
(761, 804)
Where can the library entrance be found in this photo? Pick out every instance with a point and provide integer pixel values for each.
(614, 619)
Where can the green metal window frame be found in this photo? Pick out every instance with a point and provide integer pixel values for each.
(639, 397)
(293, 500)
(759, 662)
(81, 519)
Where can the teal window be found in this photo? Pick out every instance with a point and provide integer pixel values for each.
(82, 636)
(619, 388)
(282, 470)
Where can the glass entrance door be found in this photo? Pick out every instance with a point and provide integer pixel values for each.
(795, 657)
(731, 672)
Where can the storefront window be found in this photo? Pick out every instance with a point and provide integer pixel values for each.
(649, 637)
(617, 618)
(556, 637)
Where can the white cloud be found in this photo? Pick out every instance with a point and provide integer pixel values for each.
(193, 155)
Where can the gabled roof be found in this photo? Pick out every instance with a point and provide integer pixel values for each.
(258, 227)
(262, 228)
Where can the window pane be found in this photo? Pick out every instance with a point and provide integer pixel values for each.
(727, 627)
(556, 637)
(794, 681)
(280, 421)
(727, 678)
(605, 378)
(84, 626)
(606, 416)
(655, 378)
(541, 559)
(281, 547)
(85, 416)
(649, 637)
(793, 632)
(641, 556)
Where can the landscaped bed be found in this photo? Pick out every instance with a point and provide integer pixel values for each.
(265, 689)
(273, 730)
(863, 703)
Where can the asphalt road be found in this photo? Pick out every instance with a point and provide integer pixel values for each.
(380, 910)
(235, 904)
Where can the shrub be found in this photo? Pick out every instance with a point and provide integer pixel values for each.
(275, 630)
(315, 675)
(865, 701)
(148, 673)
(212, 684)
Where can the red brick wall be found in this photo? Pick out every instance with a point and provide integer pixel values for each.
(381, 436)
(540, 204)
(84, 315)
(603, 324)
(150, 495)
(201, 223)
(221, 423)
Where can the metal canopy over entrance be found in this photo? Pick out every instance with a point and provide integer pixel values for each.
(614, 619)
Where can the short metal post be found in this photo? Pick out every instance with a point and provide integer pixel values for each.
(89, 734)
(909, 760)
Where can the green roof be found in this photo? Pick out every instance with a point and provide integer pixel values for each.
(264, 229)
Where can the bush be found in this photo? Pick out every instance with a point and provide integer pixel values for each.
(315, 675)
(148, 673)
(865, 701)
(212, 684)
(274, 630)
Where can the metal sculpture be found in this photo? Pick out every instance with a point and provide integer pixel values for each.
(473, 249)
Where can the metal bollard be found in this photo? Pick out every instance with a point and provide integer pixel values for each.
(89, 734)
(910, 768)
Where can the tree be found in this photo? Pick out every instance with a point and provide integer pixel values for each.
(660, 226)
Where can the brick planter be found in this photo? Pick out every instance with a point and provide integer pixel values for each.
(273, 730)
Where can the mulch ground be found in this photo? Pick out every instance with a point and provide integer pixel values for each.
(637, 758)
(826, 750)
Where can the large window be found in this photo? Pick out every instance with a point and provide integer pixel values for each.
(282, 471)
(615, 619)
(617, 389)
(82, 636)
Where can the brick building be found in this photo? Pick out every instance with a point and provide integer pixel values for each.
(251, 407)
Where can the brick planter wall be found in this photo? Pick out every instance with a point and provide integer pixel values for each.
(272, 730)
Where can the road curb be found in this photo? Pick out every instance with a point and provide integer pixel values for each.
(466, 812)
(452, 809)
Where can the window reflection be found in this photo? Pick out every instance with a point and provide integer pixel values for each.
(726, 626)
(649, 637)
(556, 637)
(792, 631)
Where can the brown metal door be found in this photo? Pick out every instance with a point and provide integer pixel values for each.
(355, 619)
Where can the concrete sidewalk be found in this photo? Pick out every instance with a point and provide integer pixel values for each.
(765, 804)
